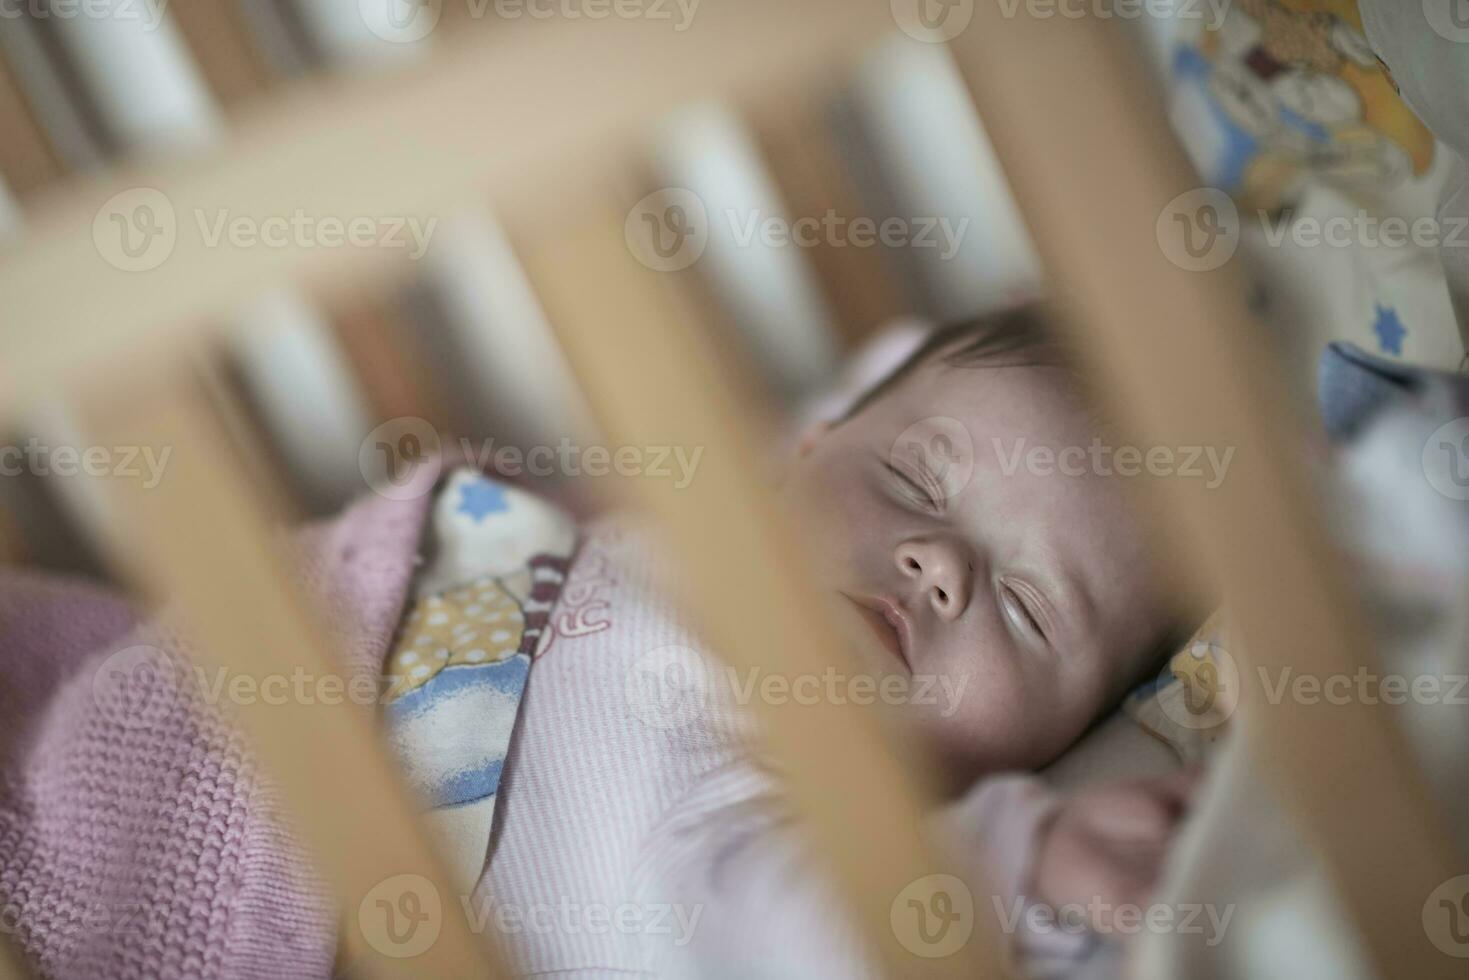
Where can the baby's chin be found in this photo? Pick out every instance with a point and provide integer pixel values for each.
(976, 730)
(968, 737)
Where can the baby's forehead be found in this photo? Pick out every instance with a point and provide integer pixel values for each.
(1002, 395)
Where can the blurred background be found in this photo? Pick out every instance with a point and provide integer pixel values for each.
(1280, 102)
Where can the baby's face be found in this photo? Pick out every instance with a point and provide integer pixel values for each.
(1016, 597)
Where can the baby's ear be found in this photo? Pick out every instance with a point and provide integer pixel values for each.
(810, 436)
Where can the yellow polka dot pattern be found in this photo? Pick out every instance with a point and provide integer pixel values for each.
(480, 623)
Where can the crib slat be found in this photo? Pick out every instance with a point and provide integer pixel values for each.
(1179, 351)
(517, 112)
(378, 342)
(255, 458)
(654, 378)
(198, 538)
(802, 150)
(221, 44)
(12, 543)
(28, 162)
(11, 967)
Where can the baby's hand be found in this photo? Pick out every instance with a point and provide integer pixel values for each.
(1104, 846)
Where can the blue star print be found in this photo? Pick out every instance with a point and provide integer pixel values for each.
(481, 498)
(1390, 330)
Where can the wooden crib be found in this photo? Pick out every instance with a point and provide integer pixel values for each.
(545, 125)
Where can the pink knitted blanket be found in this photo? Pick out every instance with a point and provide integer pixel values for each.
(141, 839)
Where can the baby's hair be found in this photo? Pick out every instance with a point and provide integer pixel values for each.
(1016, 337)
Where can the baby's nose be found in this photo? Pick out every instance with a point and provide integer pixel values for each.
(940, 572)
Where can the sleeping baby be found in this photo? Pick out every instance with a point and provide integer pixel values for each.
(1030, 591)
(593, 776)
(1025, 603)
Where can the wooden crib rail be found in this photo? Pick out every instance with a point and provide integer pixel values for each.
(512, 118)
(199, 539)
(512, 150)
(661, 382)
(1180, 355)
(534, 118)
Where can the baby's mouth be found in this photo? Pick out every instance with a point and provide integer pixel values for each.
(887, 621)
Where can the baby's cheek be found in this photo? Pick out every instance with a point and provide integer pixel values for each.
(830, 507)
(981, 713)
(823, 532)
